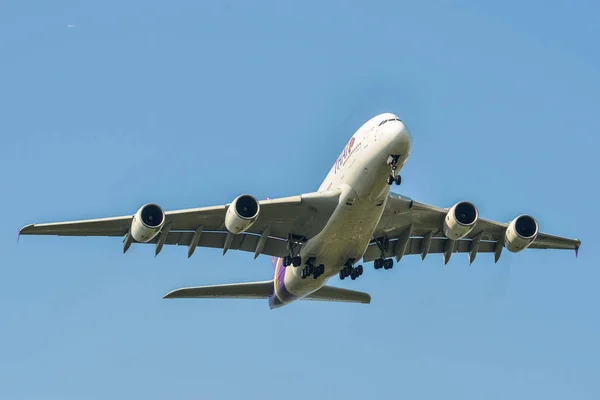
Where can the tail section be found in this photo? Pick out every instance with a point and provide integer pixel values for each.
(275, 290)
(264, 290)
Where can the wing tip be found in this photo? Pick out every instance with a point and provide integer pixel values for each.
(577, 248)
(25, 228)
(23, 231)
(171, 294)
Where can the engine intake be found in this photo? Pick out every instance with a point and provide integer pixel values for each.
(147, 223)
(521, 232)
(460, 220)
(241, 214)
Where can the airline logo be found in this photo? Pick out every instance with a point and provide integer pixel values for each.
(346, 154)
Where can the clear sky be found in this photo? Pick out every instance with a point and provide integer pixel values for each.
(108, 105)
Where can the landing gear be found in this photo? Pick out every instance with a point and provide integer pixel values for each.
(289, 260)
(311, 269)
(350, 271)
(382, 262)
(385, 263)
(394, 177)
(293, 258)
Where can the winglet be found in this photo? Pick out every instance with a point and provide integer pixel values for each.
(577, 248)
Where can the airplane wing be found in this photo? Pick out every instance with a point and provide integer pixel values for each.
(301, 217)
(417, 228)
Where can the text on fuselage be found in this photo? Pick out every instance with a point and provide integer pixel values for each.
(349, 150)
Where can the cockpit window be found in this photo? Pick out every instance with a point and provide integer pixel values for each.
(388, 120)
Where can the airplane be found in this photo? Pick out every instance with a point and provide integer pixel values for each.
(313, 237)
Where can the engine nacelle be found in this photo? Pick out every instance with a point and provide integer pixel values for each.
(460, 220)
(147, 223)
(521, 232)
(241, 214)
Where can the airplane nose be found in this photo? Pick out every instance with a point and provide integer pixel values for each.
(400, 138)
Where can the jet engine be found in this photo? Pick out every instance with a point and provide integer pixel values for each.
(241, 214)
(147, 223)
(521, 232)
(460, 220)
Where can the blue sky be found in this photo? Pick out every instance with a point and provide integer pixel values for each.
(192, 103)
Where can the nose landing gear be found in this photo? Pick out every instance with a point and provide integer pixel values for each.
(394, 177)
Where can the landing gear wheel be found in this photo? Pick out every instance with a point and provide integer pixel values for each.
(287, 261)
(378, 263)
(342, 274)
(390, 180)
(388, 264)
(398, 180)
(296, 261)
(359, 269)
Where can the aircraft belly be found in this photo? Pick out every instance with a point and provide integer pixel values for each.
(349, 231)
(347, 237)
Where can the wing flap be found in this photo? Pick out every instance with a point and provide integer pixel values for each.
(437, 246)
(244, 242)
(249, 290)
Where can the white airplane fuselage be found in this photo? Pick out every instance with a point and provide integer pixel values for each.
(361, 174)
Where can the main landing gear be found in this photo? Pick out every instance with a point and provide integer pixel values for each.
(289, 260)
(312, 269)
(394, 177)
(350, 271)
(382, 262)
(293, 243)
(385, 263)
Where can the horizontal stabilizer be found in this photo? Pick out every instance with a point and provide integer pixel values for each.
(330, 293)
(250, 290)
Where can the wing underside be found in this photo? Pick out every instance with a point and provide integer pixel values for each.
(406, 227)
(293, 219)
(409, 227)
